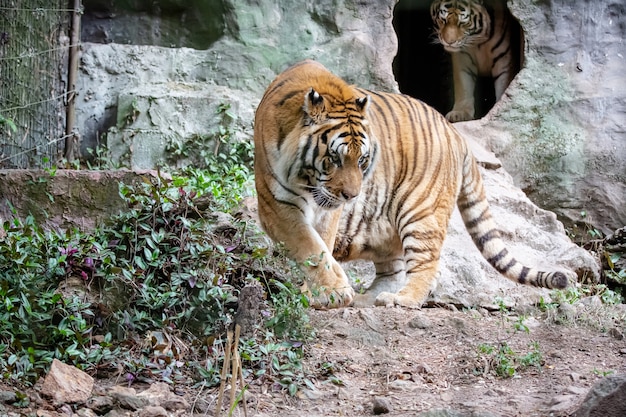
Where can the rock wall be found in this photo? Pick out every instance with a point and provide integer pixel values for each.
(67, 198)
(560, 130)
(122, 87)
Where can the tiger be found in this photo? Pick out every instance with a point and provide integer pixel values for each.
(480, 37)
(345, 173)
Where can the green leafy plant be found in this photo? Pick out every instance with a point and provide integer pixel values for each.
(100, 159)
(573, 294)
(152, 291)
(219, 152)
(505, 362)
(278, 364)
(151, 286)
(38, 322)
(617, 275)
(290, 319)
(602, 374)
(9, 123)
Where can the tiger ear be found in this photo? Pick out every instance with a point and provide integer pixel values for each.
(314, 105)
(363, 104)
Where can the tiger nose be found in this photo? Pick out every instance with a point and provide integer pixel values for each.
(348, 194)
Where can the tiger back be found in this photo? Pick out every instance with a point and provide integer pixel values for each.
(483, 39)
(345, 173)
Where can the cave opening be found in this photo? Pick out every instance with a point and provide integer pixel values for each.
(423, 69)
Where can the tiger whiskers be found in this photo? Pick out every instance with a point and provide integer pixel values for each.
(325, 199)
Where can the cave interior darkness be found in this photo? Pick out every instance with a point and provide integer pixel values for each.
(422, 68)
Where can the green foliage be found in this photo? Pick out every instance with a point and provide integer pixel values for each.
(219, 152)
(505, 362)
(151, 292)
(602, 374)
(218, 163)
(573, 294)
(173, 275)
(278, 364)
(100, 159)
(500, 358)
(9, 123)
(613, 273)
(37, 321)
(290, 318)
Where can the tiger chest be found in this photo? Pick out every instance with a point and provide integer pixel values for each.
(363, 239)
(478, 60)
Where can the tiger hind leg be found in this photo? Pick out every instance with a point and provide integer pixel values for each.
(422, 247)
(390, 278)
(416, 290)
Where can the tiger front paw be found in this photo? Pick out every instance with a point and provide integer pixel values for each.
(323, 298)
(328, 285)
(459, 116)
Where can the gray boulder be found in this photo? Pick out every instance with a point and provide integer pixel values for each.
(606, 398)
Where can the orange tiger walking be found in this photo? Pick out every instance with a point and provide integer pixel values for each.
(345, 173)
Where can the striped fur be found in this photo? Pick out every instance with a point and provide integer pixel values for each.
(478, 34)
(344, 173)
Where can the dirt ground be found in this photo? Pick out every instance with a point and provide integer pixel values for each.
(412, 361)
(409, 361)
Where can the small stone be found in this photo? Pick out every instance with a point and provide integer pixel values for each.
(593, 301)
(66, 410)
(7, 397)
(159, 394)
(622, 351)
(86, 412)
(153, 411)
(459, 324)
(368, 316)
(574, 376)
(343, 394)
(67, 384)
(117, 413)
(451, 307)
(310, 394)
(531, 322)
(380, 406)
(577, 390)
(565, 313)
(424, 369)
(446, 397)
(402, 385)
(420, 322)
(48, 413)
(175, 402)
(562, 403)
(101, 404)
(616, 333)
(127, 398)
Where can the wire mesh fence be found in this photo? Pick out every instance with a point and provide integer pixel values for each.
(34, 53)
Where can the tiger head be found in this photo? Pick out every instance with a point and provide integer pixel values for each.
(336, 151)
(460, 23)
